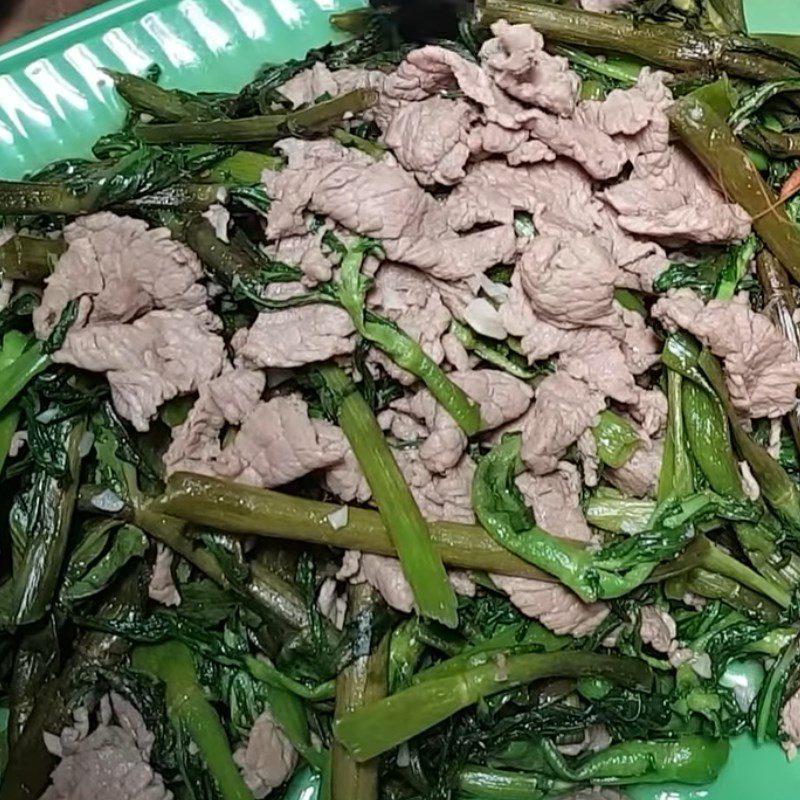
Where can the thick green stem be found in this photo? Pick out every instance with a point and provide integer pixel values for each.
(372, 149)
(363, 682)
(500, 355)
(774, 144)
(26, 197)
(9, 419)
(709, 138)
(43, 517)
(192, 715)
(676, 478)
(778, 488)
(379, 727)
(616, 439)
(421, 562)
(244, 168)
(16, 376)
(28, 772)
(703, 554)
(265, 672)
(315, 118)
(614, 513)
(668, 46)
(188, 197)
(29, 258)
(719, 587)
(689, 759)
(496, 784)
(162, 104)
(236, 508)
(271, 595)
(399, 346)
(707, 432)
(780, 304)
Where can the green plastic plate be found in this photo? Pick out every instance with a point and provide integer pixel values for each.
(55, 102)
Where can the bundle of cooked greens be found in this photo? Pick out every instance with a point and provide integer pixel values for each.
(418, 422)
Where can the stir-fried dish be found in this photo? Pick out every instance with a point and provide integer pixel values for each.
(419, 422)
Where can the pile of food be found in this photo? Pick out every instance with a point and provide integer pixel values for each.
(419, 422)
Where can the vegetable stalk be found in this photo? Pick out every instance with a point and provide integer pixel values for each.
(400, 347)
(667, 46)
(616, 439)
(315, 118)
(359, 684)
(380, 726)
(781, 306)
(27, 197)
(710, 139)
(167, 105)
(498, 784)
(192, 716)
(29, 258)
(676, 478)
(30, 763)
(40, 522)
(9, 419)
(21, 360)
(271, 596)
(689, 759)
(778, 488)
(702, 553)
(421, 562)
(236, 508)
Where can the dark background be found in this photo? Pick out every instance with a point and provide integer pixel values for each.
(20, 16)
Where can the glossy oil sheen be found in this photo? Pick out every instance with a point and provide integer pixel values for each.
(54, 103)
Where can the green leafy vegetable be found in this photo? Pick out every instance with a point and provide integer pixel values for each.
(40, 523)
(611, 572)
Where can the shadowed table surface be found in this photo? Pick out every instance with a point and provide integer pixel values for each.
(20, 16)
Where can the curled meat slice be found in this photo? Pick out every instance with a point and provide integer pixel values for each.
(292, 337)
(149, 361)
(429, 70)
(580, 139)
(228, 399)
(638, 476)
(670, 196)
(119, 269)
(316, 81)
(570, 283)
(429, 138)
(565, 407)
(409, 298)
(790, 725)
(552, 604)
(502, 398)
(516, 61)
(762, 366)
(161, 587)
(306, 252)
(111, 761)
(556, 502)
(385, 575)
(278, 443)
(658, 629)
(267, 758)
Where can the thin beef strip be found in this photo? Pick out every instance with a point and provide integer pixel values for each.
(762, 366)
